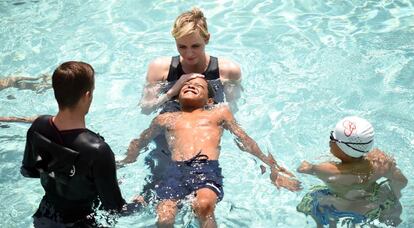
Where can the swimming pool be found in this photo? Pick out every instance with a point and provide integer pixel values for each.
(305, 64)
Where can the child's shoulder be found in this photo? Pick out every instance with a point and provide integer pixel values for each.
(166, 117)
(220, 108)
(328, 167)
(380, 161)
(377, 155)
(222, 111)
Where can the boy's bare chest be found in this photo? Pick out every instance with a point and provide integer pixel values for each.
(192, 123)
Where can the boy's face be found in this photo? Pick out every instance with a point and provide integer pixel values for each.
(194, 93)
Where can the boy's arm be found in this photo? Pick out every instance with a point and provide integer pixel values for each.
(322, 171)
(385, 166)
(18, 119)
(243, 141)
(246, 143)
(146, 136)
(397, 180)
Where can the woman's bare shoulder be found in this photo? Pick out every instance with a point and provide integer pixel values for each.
(158, 69)
(229, 70)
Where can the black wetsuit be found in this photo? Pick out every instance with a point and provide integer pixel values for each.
(76, 169)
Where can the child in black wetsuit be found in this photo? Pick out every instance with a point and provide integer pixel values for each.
(75, 165)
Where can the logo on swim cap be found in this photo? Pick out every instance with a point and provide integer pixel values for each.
(354, 136)
(349, 128)
(72, 171)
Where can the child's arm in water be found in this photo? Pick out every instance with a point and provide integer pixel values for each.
(397, 181)
(323, 170)
(386, 166)
(136, 145)
(18, 119)
(246, 143)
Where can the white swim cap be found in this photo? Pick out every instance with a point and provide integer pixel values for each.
(354, 136)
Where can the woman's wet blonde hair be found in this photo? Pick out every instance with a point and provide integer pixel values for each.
(190, 22)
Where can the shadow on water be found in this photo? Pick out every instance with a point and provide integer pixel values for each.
(4, 126)
(18, 3)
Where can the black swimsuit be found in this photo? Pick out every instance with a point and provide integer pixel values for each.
(212, 74)
(176, 70)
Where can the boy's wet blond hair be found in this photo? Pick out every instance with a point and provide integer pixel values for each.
(190, 22)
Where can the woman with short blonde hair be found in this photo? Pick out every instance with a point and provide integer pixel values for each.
(190, 22)
(191, 36)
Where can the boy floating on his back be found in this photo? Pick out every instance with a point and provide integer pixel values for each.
(193, 136)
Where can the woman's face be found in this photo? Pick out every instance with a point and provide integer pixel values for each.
(191, 48)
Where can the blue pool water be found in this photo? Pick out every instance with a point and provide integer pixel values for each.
(305, 64)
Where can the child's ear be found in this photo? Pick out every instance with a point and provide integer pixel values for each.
(210, 101)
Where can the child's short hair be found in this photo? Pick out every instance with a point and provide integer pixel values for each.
(210, 89)
(70, 81)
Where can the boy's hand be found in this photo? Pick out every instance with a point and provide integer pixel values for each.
(272, 162)
(139, 199)
(121, 163)
(280, 180)
(305, 167)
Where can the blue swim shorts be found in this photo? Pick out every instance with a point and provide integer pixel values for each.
(185, 177)
(324, 214)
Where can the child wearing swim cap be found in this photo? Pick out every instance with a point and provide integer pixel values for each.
(364, 186)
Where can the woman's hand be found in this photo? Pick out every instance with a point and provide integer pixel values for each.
(175, 90)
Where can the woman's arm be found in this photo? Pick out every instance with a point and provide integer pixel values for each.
(230, 76)
(157, 73)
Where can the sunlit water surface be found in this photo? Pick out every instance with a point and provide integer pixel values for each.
(305, 64)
